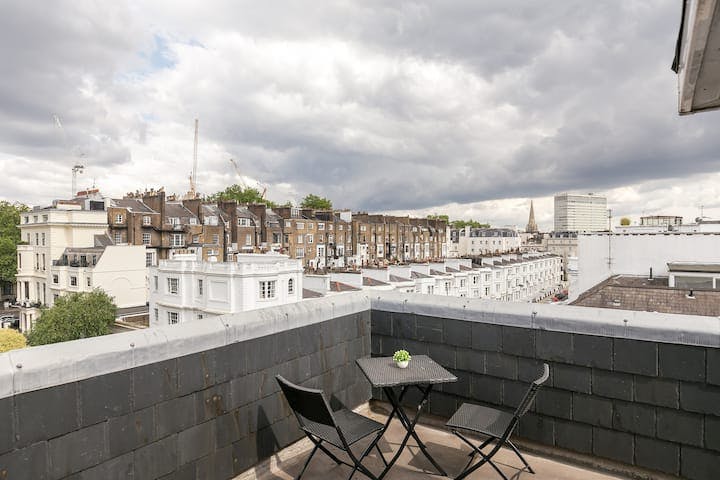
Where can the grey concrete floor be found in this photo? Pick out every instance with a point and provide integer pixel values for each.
(449, 451)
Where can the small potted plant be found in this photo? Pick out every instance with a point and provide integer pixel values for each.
(402, 358)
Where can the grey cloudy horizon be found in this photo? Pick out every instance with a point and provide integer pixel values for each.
(466, 108)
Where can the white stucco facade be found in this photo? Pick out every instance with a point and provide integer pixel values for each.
(46, 233)
(601, 256)
(184, 289)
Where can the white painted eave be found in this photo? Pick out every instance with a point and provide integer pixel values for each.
(699, 57)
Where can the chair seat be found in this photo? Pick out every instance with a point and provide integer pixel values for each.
(485, 420)
(354, 427)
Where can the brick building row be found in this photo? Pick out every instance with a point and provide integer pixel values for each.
(219, 231)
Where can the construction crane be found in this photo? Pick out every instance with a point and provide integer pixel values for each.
(77, 168)
(242, 183)
(193, 175)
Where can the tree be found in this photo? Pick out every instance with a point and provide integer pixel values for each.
(468, 223)
(316, 203)
(9, 238)
(11, 339)
(241, 195)
(439, 217)
(624, 221)
(77, 315)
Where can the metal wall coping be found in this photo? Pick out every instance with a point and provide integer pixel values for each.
(35, 368)
(649, 326)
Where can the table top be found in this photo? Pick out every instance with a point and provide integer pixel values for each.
(422, 370)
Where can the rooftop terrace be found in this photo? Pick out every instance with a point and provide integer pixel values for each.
(637, 393)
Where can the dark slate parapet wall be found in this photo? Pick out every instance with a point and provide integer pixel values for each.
(645, 403)
(210, 414)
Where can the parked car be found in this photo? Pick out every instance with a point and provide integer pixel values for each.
(9, 321)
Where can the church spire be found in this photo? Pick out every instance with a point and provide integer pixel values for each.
(531, 225)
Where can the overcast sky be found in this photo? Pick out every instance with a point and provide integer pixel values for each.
(464, 107)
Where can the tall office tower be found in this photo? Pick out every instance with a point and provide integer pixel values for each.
(580, 213)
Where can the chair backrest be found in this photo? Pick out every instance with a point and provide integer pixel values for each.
(307, 403)
(527, 400)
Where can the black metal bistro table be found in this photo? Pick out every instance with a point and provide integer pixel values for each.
(422, 373)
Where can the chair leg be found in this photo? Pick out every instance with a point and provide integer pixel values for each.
(485, 458)
(307, 462)
(517, 452)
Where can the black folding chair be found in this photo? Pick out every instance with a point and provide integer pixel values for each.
(495, 424)
(341, 428)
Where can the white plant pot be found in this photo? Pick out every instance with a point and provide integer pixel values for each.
(402, 364)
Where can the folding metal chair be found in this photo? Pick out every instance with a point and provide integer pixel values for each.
(497, 425)
(341, 428)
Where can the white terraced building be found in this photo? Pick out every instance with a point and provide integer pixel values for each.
(67, 250)
(513, 277)
(184, 288)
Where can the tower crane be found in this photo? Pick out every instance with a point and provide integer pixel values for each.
(77, 168)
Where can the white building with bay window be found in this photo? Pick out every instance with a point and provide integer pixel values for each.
(184, 288)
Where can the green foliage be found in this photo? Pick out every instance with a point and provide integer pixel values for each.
(439, 217)
(316, 202)
(9, 238)
(401, 356)
(11, 339)
(78, 315)
(241, 195)
(468, 223)
(624, 221)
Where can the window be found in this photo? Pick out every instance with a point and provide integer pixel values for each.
(363, 228)
(155, 282)
(321, 226)
(156, 314)
(300, 239)
(462, 282)
(177, 240)
(56, 279)
(248, 239)
(146, 238)
(173, 318)
(149, 259)
(147, 220)
(193, 221)
(311, 226)
(118, 218)
(310, 238)
(200, 316)
(42, 236)
(37, 238)
(291, 286)
(118, 237)
(300, 225)
(73, 281)
(89, 282)
(267, 289)
(216, 239)
(43, 263)
(200, 288)
(196, 239)
(173, 285)
(173, 220)
(244, 222)
(340, 227)
(330, 227)
(299, 252)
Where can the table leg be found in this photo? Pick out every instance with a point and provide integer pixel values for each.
(409, 425)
